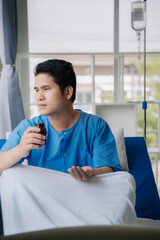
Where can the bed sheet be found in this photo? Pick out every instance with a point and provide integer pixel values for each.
(34, 198)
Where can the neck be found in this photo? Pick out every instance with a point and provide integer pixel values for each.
(65, 119)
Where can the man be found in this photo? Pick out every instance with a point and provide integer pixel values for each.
(76, 142)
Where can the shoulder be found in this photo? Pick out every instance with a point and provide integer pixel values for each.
(93, 120)
(93, 125)
(24, 124)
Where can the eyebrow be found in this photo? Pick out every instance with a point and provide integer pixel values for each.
(45, 86)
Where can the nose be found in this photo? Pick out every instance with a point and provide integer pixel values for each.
(39, 95)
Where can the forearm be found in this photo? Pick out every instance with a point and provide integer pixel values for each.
(9, 158)
(102, 170)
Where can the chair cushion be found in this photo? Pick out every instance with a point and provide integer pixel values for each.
(2, 141)
(121, 148)
(147, 198)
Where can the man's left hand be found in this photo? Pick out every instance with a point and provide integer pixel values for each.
(82, 173)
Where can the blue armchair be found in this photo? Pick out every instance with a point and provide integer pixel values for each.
(147, 198)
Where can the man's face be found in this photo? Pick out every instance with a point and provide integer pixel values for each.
(48, 96)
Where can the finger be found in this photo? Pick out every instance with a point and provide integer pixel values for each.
(33, 138)
(36, 141)
(37, 135)
(74, 173)
(33, 129)
(83, 174)
(35, 146)
(77, 173)
(70, 170)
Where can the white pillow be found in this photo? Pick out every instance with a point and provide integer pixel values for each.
(121, 148)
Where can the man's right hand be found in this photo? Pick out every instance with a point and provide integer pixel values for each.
(31, 139)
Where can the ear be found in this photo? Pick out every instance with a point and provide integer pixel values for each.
(69, 92)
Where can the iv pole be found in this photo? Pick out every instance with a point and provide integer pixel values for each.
(144, 103)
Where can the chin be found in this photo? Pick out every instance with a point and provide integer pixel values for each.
(43, 113)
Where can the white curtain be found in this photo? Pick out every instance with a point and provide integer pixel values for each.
(11, 107)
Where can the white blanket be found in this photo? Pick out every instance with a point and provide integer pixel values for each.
(34, 198)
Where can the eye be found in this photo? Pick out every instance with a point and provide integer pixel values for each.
(47, 88)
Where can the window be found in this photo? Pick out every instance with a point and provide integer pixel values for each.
(88, 97)
(133, 79)
(67, 26)
(104, 79)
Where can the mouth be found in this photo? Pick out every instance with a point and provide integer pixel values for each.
(41, 106)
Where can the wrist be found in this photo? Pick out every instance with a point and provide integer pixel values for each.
(103, 170)
(18, 152)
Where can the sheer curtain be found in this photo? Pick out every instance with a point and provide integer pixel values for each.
(11, 107)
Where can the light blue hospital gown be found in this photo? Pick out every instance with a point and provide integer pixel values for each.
(89, 142)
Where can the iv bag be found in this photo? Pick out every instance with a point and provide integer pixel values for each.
(138, 16)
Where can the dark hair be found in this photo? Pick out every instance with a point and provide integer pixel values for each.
(62, 72)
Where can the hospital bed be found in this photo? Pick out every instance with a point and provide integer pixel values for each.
(147, 206)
